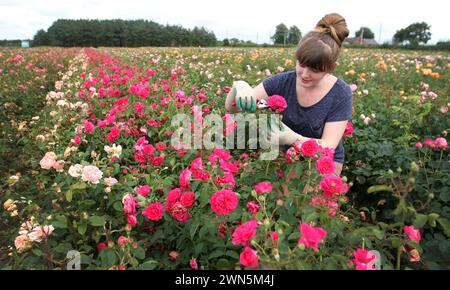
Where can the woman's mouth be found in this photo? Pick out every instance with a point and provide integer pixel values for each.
(305, 81)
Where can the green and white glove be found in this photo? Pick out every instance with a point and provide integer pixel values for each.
(243, 96)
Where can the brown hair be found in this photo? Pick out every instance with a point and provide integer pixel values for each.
(319, 49)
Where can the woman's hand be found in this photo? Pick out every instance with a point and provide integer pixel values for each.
(243, 96)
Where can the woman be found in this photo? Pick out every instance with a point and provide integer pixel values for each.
(319, 104)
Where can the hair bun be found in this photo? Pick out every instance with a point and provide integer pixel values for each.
(334, 25)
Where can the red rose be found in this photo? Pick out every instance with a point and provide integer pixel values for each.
(154, 211)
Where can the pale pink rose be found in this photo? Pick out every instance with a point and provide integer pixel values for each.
(22, 243)
(59, 165)
(353, 87)
(441, 143)
(443, 109)
(40, 232)
(76, 170)
(110, 181)
(48, 160)
(91, 174)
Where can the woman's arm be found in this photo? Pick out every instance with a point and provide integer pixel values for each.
(332, 134)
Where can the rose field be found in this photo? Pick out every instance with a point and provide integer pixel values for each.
(87, 164)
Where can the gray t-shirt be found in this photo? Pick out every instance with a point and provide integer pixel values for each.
(336, 105)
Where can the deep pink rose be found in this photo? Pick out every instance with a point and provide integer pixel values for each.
(244, 233)
(248, 258)
(263, 187)
(325, 165)
(154, 211)
(310, 148)
(224, 201)
(311, 236)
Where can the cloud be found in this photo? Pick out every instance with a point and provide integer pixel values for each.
(243, 19)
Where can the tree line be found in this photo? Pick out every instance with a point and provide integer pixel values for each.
(121, 33)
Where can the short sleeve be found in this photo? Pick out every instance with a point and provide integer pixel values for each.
(272, 84)
(342, 107)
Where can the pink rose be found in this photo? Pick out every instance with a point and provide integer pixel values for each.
(22, 243)
(325, 165)
(244, 233)
(185, 176)
(441, 143)
(143, 190)
(413, 234)
(187, 199)
(419, 145)
(224, 201)
(110, 181)
(129, 204)
(193, 264)
(172, 197)
(197, 164)
(248, 258)
(40, 232)
(349, 129)
(154, 211)
(48, 160)
(132, 220)
(277, 103)
(332, 184)
(310, 148)
(311, 236)
(122, 241)
(263, 187)
(180, 212)
(274, 236)
(91, 174)
(252, 207)
(362, 258)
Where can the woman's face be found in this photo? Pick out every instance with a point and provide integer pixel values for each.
(308, 77)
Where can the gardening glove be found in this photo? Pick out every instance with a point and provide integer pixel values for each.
(243, 96)
(282, 133)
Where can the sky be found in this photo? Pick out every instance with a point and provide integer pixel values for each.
(253, 20)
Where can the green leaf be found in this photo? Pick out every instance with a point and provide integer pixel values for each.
(148, 265)
(140, 253)
(215, 254)
(223, 264)
(445, 223)
(193, 229)
(420, 220)
(82, 229)
(69, 195)
(379, 234)
(78, 185)
(108, 258)
(233, 254)
(97, 221)
(377, 188)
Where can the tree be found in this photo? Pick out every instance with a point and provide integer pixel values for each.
(294, 35)
(281, 34)
(226, 42)
(366, 34)
(418, 32)
(41, 38)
